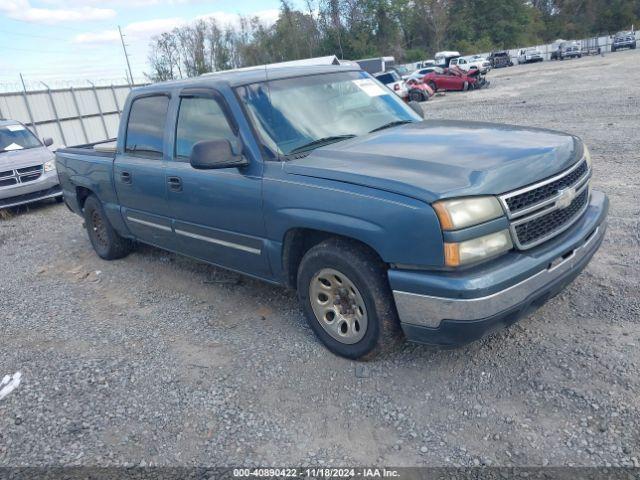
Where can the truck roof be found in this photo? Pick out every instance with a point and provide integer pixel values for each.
(245, 76)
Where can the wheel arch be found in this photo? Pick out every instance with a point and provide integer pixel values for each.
(299, 240)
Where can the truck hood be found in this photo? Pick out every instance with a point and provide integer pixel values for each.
(24, 158)
(431, 160)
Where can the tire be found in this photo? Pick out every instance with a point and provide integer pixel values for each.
(59, 199)
(433, 86)
(417, 96)
(107, 243)
(465, 86)
(633, 47)
(337, 267)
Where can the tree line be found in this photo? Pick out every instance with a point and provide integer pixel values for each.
(410, 30)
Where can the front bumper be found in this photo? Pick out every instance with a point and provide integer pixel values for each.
(454, 308)
(47, 186)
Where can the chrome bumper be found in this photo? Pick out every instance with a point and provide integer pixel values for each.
(430, 311)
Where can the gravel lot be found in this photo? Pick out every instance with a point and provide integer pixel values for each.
(158, 360)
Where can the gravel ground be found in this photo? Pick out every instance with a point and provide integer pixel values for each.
(158, 360)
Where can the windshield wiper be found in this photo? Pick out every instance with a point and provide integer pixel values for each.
(320, 142)
(391, 124)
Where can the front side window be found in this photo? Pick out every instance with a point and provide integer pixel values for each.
(296, 114)
(17, 137)
(145, 130)
(200, 119)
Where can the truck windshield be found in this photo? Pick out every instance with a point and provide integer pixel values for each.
(302, 113)
(17, 137)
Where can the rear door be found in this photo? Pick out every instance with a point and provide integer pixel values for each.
(217, 214)
(139, 171)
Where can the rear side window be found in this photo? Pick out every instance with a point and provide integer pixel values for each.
(200, 119)
(145, 130)
(386, 78)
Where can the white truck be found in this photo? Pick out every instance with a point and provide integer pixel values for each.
(467, 64)
(529, 55)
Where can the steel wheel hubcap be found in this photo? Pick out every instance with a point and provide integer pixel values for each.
(99, 229)
(338, 306)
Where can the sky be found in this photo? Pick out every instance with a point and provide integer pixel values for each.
(61, 42)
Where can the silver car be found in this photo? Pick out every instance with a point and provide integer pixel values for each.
(27, 167)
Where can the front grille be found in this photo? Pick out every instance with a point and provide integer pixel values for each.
(30, 178)
(35, 168)
(531, 232)
(540, 211)
(8, 181)
(20, 175)
(532, 197)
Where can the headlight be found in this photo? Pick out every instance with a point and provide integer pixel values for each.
(587, 156)
(482, 248)
(465, 212)
(50, 166)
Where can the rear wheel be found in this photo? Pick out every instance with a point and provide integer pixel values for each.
(107, 243)
(417, 96)
(433, 86)
(345, 295)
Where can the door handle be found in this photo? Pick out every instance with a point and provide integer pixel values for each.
(125, 177)
(175, 184)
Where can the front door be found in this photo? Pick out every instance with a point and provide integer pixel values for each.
(139, 172)
(217, 214)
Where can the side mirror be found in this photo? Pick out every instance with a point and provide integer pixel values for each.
(48, 141)
(212, 154)
(415, 106)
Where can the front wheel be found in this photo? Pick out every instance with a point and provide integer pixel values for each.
(346, 299)
(107, 243)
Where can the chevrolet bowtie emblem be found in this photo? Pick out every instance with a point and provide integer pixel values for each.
(565, 197)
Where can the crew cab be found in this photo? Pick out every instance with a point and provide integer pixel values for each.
(27, 167)
(322, 180)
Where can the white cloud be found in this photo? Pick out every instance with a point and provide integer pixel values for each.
(118, 3)
(268, 17)
(22, 10)
(142, 32)
(137, 31)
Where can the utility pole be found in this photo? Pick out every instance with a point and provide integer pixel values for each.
(126, 55)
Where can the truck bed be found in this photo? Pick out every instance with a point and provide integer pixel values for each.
(102, 148)
(87, 168)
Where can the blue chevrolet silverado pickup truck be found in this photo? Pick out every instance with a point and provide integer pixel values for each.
(320, 179)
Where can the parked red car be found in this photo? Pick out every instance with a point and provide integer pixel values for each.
(448, 80)
(418, 90)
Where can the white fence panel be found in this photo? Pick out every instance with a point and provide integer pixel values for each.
(71, 116)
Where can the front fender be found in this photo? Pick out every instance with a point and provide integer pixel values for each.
(400, 229)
